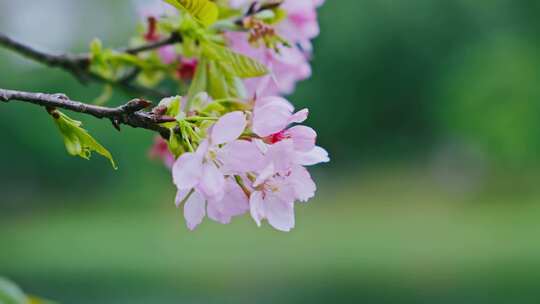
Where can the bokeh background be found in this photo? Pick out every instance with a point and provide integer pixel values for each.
(430, 110)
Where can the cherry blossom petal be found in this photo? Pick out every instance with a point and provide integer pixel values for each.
(181, 195)
(234, 203)
(215, 212)
(160, 150)
(187, 171)
(256, 205)
(276, 100)
(316, 156)
(303, 184)
(194, 210)
(203, 148)
(235, 200)
(279, 212)
(261, 145)
(212, 182)
(168, 54)
(228, 128)
(303, 137)
(299, 117)
(264, 175)
(271, 118)
(282, 155)
(241, 156)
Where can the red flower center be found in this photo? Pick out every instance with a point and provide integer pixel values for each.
(277, 137)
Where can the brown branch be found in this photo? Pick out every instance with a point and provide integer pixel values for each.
(174, 38)
(78, 64)
(130, 114)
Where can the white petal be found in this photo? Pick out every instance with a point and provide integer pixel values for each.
(256, 207)
(194, 210)
(241, 156)
(203, 148)
(271, 118)
(299, 117)
(234, 203)
(212, 183)
(187, 171)
(277, 100)
(235, 200)
(181, 195)
(303, 137)
(279, 212)
(303, 184)
(313, 157)
(282, 155)
(263, 147)
(264, 175)
(228, 128)
(215, 212)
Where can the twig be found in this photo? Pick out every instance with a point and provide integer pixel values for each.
(130, 114)
(174, 38)
(78, 64)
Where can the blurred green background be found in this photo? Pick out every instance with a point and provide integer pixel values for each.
(429, 110)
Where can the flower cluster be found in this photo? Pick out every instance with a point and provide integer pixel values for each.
(250, 161)
(237, 146)
(288, 57)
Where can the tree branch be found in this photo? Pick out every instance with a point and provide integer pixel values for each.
(130, 114)
(78, 64)
(172, 39)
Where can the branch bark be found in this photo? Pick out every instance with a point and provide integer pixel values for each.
(131, 113)
(78, 64)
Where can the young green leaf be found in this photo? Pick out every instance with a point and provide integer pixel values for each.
(205, 11)
(77, 140)
(234, 63)
(222, 83)
(198, 84)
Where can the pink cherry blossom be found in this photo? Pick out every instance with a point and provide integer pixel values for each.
(160, 150)
(271, 119)
(273, 114)
(281, 182)
(275, 194)
(301, 24)
(151, 12)
(290, 65)
(234, 203)
(287, 67)
(273, 200)
(199, 178)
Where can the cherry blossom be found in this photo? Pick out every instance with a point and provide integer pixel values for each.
(290, 64)
(251, 161)
(160, 150)
(197, 174)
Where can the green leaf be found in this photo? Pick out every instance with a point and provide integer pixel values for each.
(223, 84)
(198, 84)
(77, 140)
(205, 11)
(234, 63)
(11, 293)
(175, 143)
